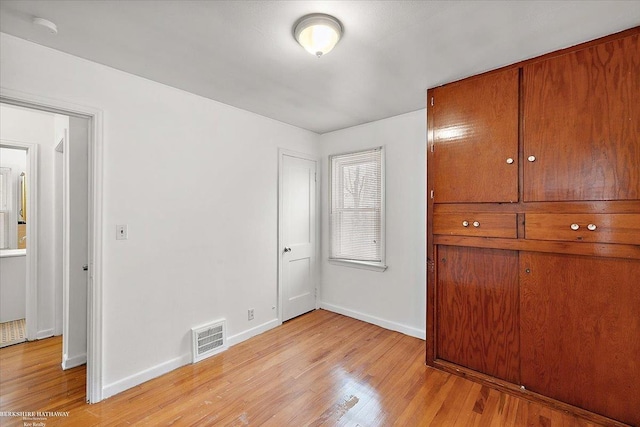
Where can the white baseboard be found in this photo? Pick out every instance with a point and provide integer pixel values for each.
(144, 376)
(47, 333)
(383, 323)
(72, 362)
(243, 336)
(168, 366)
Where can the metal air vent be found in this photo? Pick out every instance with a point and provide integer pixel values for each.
(208, 340)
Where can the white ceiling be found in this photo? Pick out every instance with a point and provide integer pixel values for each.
(242, 53)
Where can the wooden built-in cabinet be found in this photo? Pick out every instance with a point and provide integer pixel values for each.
(580, 124)
(580, 337)
(468, 139)
(533, 228)
(478, 310)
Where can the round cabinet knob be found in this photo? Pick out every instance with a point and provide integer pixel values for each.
(574, 227)
(531, 158)
(476, 224)
(509, 160)
(591, 227)
(465, 223)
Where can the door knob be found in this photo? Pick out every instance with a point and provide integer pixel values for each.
(85, 267)
(287, 250)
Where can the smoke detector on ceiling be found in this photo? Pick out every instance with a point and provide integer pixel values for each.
(45, 23)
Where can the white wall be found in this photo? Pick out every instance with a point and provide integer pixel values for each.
(13, 272)
(395, 298)
(165, 149)
(22, 125)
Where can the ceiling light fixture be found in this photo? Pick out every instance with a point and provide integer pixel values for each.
(318, 33)
(50, 26)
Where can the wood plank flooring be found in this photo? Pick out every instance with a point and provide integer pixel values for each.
(320, 369)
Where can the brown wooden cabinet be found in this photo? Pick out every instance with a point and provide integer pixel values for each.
(477, 310)
(534, 262)
(581, 131)
(580, 335)
(467, 139)
(476, 224)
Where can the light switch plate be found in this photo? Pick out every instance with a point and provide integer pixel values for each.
(121, 232)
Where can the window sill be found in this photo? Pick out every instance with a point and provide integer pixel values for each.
(8, 253)
(359, 264)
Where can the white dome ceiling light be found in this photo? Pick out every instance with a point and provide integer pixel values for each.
(317, 33)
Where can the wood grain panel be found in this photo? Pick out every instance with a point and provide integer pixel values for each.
(515, 389)
(575, 248)
(580, 331)
(478, 310)
(616, 206)
(612, 228)
(490, 225)
(430, 354)
(582, 124)
(475, 131)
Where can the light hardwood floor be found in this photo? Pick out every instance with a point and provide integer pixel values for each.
(320, 369)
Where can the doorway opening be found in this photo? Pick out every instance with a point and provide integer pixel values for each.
(62, 241)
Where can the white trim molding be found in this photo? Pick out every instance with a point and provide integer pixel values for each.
(47, 333)
(145, 375)
(250, 333)
(358, 264)
(94, 294)
(175, 363)
(383, 323)
(68, 363)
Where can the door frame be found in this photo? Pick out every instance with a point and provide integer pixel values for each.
(281, 244)
(31, 258)
(94, 290)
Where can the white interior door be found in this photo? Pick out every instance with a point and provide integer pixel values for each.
(74, 336)
(298, 236)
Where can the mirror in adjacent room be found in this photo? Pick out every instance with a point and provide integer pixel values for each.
(13, 198)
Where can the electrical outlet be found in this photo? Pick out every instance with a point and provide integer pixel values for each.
(121, 232)
(250, 314)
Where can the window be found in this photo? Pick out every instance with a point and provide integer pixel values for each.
(356, 211)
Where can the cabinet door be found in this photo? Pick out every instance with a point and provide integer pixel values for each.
(475, 133)
(582, 124)
(580, 331)
(477, 310)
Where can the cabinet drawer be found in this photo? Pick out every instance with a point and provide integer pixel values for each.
(604, 228)
(476, 224)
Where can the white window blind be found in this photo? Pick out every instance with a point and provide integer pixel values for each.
(356, 211)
